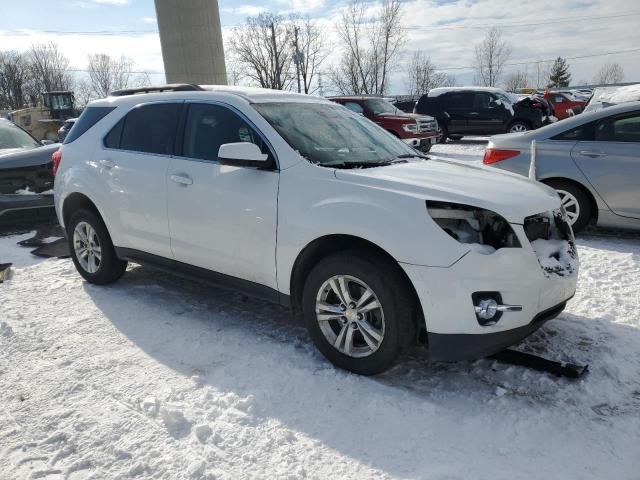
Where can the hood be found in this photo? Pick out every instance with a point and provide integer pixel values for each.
(510, 195)
(396, 116)
(420, 115)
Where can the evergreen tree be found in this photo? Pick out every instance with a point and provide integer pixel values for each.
(560, 76)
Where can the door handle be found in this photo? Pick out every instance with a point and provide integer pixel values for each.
(107, 163)
(592, 154)
(182, 179)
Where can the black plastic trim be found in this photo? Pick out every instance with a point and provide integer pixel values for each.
(202, 274)
(461, 346)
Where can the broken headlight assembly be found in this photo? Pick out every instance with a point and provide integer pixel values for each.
(483, 229)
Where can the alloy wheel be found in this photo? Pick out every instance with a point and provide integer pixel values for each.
(518, 127)
(86, 245)
(350, 316)
(570, 204)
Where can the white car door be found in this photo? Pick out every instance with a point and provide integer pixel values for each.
(222, 218)
(134, 160)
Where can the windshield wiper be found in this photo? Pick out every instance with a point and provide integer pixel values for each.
(410, 155)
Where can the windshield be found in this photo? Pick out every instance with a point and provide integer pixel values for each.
(505, 98)
(12, 136)
(332, 135)
(379, 106)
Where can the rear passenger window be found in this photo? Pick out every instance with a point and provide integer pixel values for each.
(354, 107)
(209, 126)
(619, 129)
(112, 140)
(583, 132)
(90, 116)
(151, 128)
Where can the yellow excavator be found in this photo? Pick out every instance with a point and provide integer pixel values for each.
(44, 121)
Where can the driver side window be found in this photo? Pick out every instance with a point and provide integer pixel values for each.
(354, 107)
(209, 126)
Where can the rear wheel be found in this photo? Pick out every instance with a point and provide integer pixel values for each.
(91, 249)
(359, 313)
(576, 203)
(518, 126)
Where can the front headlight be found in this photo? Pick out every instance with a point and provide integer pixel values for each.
(484, 229)
(410, 127)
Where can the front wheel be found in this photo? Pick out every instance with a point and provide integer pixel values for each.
(91, 249)
(443, 133)
(359, 312)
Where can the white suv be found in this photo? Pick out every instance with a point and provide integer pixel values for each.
(303, 202)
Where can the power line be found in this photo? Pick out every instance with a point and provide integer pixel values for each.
(410, 27)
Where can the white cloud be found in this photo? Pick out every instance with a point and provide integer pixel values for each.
(111, 2)
(302, 6)
(248, 10)
(151, 20)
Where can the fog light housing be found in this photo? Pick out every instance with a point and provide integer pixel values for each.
(489, 307)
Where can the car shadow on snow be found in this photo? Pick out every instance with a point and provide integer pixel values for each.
(257, 351)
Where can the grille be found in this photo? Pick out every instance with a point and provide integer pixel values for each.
(427, 125)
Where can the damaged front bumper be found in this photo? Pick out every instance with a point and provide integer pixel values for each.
(540, 280)
(18, 209)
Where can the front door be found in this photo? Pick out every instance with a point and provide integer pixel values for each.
(610, 159)
(134, 160)
(222, 218)
(488, 114)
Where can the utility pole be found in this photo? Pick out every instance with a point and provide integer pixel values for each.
(277, 80)
(297, 59)
(320, 87)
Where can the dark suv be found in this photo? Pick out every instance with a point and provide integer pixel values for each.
(477, 111)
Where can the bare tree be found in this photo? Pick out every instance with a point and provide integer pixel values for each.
(49, 70)
(14, 79)
(82, 92)
(262, 48)
(310, 50)
(107, 74)
(371, 47)
(516, 80)
(611, 72)
(422, 75)
(491, 55)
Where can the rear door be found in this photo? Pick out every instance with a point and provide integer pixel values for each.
(610, 159)
(456, 107)
(134, 162)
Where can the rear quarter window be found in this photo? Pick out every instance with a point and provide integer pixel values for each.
(90, 116)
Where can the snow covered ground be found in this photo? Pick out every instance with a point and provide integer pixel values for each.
(159, 377)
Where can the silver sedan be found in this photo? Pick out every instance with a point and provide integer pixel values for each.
(592, 160)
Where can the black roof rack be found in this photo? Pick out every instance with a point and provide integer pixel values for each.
(175, 87)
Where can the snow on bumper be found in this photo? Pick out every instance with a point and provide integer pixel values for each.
(517, 274)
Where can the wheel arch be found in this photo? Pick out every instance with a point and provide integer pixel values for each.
(321, 247)
(585, 189)
(74, 202)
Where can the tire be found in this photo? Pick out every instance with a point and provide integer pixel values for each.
(392, 324)
(105, 267)
(518, 126)
(576, 201)
(444, 133)
(455, 137)
(426, 147)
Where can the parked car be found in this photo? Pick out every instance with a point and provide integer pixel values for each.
(592, 160)
(604, 97)
(477, 111)
(564, 104)
(406, 106)
(418, 131)
(301, 201)
(64, 129)
(25, 172)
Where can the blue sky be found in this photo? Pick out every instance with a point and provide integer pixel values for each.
(447, 30)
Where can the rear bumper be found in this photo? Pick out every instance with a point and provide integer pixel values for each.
(461, 346)
(15, 209)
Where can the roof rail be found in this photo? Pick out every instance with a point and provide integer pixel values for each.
(174, 87)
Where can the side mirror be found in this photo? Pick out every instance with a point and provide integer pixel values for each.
(242, 154)
(47, 142)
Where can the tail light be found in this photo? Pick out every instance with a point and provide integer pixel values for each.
(56, 158)
(494, 155)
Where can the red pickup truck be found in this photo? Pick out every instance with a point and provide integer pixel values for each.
(418, 131)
